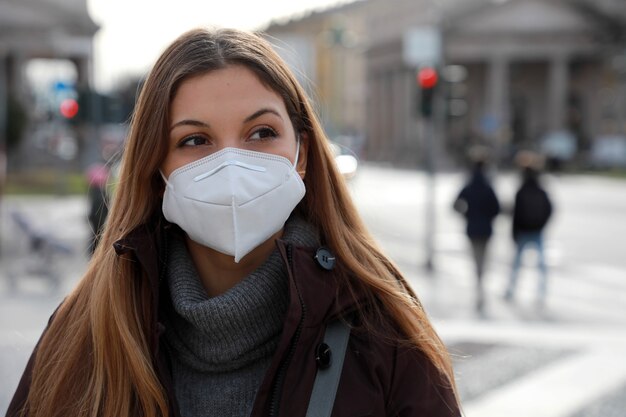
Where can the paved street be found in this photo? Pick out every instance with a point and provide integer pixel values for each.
(565, 360)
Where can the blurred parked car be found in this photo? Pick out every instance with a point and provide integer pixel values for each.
(558, 147)
(346, 162)
(608, 152)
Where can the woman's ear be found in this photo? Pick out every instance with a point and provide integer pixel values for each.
(302, 156)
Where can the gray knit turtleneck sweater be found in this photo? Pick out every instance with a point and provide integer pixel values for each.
(221, 347)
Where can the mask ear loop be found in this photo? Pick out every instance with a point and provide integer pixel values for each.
(295, 164)
(167, 183)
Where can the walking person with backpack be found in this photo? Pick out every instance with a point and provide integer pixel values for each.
(531, 213)
(478, 203)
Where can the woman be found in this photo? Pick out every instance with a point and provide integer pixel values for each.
(217, 274)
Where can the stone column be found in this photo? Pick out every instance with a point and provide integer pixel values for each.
(386, 139)
(16, 84)
(498, 86)
(397, 113)
(4, 95)
(409, 104)
(88, 132)
(558, 83)
(374, 120)
(497, 120)
(83, 72)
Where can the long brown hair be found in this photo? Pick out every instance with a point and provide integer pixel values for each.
(95, 359)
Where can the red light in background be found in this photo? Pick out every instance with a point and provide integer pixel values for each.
(427, 77)
(69, 108)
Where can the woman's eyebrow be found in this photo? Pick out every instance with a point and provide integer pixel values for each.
(189, 122)
(197, 123)
(260, 113)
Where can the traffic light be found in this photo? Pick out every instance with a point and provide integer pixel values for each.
(427, 79)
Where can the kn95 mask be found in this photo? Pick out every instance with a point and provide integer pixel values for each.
(233, 200)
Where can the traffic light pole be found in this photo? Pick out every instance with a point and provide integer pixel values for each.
(427, 79)
(429, 237)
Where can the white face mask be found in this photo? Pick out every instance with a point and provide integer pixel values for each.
(233, 200)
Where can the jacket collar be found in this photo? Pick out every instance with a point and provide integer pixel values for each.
(313, 288)
(315, 293)
(142, 242)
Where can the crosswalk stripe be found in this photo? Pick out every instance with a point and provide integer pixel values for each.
(549, 392)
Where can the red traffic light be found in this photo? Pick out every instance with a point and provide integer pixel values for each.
(427, 77)
(68, 108)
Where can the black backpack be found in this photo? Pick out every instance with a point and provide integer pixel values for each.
(533, 208)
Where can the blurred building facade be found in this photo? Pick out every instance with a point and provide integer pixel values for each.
(327, 51)
(530, 69)
(40, 29)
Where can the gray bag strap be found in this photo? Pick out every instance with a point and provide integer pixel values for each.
(327, 378)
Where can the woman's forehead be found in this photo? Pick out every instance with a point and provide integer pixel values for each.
(230, 88)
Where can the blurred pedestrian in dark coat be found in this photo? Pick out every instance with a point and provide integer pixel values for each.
(478, 202)
(531, 213)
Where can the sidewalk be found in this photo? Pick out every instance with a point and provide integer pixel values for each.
(564, 361)
(517, 360)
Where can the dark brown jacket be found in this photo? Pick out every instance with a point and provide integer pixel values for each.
(379, 377)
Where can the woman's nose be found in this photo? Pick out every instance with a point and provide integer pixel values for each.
(230, 141)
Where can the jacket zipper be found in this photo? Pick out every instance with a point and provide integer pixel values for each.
(280, 379)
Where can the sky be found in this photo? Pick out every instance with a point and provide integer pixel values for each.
(133, 32)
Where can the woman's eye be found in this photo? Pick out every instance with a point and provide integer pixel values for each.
(263, 134)
(194, 141)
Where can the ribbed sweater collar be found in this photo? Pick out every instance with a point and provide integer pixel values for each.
(239, 327)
